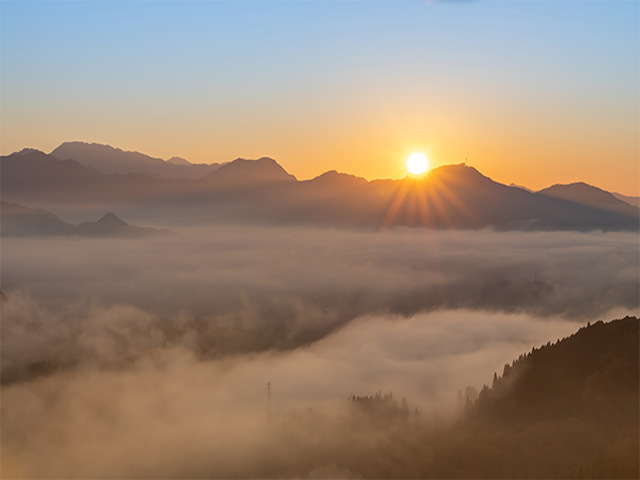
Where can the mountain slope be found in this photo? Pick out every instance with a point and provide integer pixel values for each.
(583, 205)
(583, 194)
(111, 225)
(565, 410)
(110, 160)
(568, 410)
(18, 221)
(38, 168)
(39, 178)
(568, 378)
(635, 201)
(242, 172)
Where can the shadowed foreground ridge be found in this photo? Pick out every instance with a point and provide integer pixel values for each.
(565, 410)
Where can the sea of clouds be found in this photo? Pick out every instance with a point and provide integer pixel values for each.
(150, 357)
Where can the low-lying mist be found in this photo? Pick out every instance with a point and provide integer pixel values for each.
(150, 358)
(169, 414)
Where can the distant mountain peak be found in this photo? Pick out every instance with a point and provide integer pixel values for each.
(244, 171)
(27, 151)
(111, 219)
(458, 168)
(584, 193)
(333, 176)
(111, 225)
(178, 161)
(112, 160)
(67, 147)
(460, 173)
(575, 185)
(258, 161)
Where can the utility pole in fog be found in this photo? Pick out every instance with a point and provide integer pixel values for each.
(269, 397)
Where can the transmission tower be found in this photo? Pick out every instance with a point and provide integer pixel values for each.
(269, 397)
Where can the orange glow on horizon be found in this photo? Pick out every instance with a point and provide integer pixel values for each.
(373, 149)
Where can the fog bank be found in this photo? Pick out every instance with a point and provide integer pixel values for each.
(170, 415)
(149, 358)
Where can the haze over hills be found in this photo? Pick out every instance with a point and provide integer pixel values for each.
(242, 173)
(337, 295)
(635, 201)
(19, 221)
(119, 329)
(589, 195)
(453, 196)
(110, 225)
(109, 160)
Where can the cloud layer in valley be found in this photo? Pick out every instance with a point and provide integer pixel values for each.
(169, 414)
(150, 357)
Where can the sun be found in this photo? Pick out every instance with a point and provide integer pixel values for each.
(417, 163)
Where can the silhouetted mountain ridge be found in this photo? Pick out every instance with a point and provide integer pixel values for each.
(111, 160)
(242, 172)
(333, 177)
(250, 191)
(584, 194)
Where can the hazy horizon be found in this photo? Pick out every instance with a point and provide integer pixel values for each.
(330, 168)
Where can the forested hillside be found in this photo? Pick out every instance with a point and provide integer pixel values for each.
(568, 409)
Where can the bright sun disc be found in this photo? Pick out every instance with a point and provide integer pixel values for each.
(417, 163)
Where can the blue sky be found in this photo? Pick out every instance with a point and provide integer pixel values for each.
(212, 80)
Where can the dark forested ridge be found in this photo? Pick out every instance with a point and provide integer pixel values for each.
(565, 410)
(577, 376)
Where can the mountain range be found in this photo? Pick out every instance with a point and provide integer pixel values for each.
(109, 160)
(452, 196)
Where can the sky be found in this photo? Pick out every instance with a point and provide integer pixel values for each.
(529, 92)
